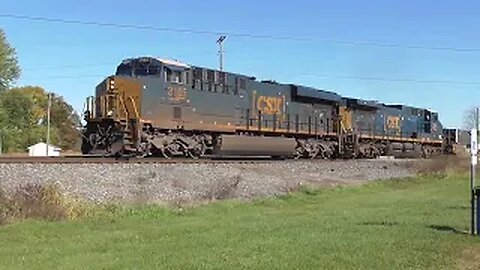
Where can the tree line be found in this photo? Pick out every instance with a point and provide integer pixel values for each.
(23, 110)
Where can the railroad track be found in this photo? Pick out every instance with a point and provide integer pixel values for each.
(160, 160)
(83, 159)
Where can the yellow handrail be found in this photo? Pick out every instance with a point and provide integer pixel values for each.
(137, 115)
(125, 111)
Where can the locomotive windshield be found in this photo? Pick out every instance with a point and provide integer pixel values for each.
(139, 68)
(125, 69)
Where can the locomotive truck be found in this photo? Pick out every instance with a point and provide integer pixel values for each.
(160, 107)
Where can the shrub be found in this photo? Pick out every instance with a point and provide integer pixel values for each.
(45, 202)
(442, 165)
(3, 207)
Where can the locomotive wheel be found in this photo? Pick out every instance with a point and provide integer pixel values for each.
(197, 152)
(314, 153)
(143, 150)
(193, 154)
(166, 153)
(298, 153)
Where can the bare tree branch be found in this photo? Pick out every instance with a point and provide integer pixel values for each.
(469, 118)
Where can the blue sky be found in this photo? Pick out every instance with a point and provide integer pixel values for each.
(71, 59)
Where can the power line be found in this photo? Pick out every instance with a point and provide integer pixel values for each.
(348, 77)
(407, 80)
(65, 77)
(68, 66)
(92, 64)
(351, 77)
(240, 35)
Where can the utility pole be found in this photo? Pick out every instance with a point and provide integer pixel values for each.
(220, 50)
(473, 166)
(48, 120)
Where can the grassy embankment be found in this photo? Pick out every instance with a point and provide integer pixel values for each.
(417, 223)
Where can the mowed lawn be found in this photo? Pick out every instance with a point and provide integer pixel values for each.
(402, 224)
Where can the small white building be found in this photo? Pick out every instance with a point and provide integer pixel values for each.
(40, 150)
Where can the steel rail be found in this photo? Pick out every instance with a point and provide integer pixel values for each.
(109, 160)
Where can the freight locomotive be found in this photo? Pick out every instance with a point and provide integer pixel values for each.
(158, 107)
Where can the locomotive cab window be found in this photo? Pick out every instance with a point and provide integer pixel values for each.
(146, 69)
(125, 69)
(174, 76)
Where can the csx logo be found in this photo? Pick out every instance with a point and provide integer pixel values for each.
(393, 122)
(270, 105)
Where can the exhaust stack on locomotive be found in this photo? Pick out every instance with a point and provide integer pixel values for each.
(157, 107)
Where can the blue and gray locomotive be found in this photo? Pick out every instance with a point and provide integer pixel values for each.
(157, 107)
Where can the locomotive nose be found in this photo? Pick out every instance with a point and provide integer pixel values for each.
(105, 99)
(118, 97)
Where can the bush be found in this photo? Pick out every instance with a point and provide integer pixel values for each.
(442, 165)
(45, 202)
(36, 201)
(3, 207)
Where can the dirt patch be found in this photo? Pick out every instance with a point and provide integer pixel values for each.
(469, 258)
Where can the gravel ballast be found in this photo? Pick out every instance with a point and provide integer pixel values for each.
(189, 182)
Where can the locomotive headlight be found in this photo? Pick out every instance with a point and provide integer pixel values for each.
(111, 84)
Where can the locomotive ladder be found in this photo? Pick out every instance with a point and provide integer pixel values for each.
(348, 142)
(128, 125)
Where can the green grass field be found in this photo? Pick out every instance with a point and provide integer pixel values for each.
(402, 224)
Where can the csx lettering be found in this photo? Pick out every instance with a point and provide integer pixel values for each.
(393, 122)
(270, 105)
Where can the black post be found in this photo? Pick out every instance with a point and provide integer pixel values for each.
(259, 120)
(247, 118)
(477, 193)
(309, 125)
(288, 123)
(296, 123)
(274, 128)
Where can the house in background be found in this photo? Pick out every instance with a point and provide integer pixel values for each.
(40, 150)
